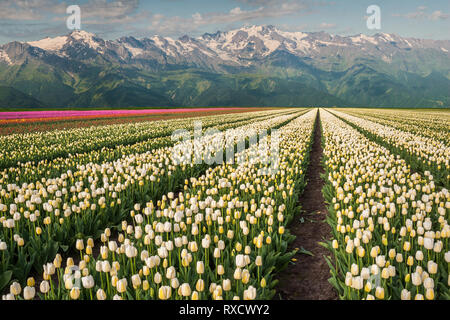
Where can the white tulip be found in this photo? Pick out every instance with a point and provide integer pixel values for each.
(88, 282)
(405, 294)
(29, 293)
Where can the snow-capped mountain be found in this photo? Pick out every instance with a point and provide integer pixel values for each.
(238, 47)
(383, 67)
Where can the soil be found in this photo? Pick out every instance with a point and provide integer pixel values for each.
(307, 278)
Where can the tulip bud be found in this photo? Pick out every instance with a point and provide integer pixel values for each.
(136, 281)
(200, 267)
(122, 285)
(447, 257)
(250, 293)
(185, 290)
(31, 282)
(245, 275)
(392, 254)
(164, 292)
(240, 261)
(348, 279)
(29, 293)
(174, 283)
(428, 243)
(114, 280)
(408, 278)
(335, 244)
(405, 295)
(419, 255)
(220, 270)
(416, 279)
(429, 294)
(75, 293)
(79, 245)
(157, 278)
(406, 246)
(171, 272)
(237, 274)
(15, 288)
(428, 283)
(258, 261)
(365, 273)
(68, 283)
(385, 273)
(216, 253)
(101, 295)
(146, 285)
(410, 261)
(432, 267)
(44, 287)
(354, 269)
(379, 293)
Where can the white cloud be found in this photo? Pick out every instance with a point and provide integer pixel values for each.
(421, 13)
(236, 10)
(265, 9)
(438, 15)
(325, 25)
(28, 10)
(99, 11)
(30, 19)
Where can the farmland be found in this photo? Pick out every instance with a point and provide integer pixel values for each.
(328, 204)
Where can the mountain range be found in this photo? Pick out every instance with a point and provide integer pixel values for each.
(250, 66)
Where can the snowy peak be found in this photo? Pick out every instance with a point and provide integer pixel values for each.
(82, 35)
(362, 39)
(87, 38)
(60, 45)
(239, 47)
(50, 44)
(261, 41)
(57, 43)
(253, 40)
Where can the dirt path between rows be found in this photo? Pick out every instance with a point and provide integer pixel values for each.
(307, 278)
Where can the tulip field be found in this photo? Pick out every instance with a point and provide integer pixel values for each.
(390, 224)
(106, 212)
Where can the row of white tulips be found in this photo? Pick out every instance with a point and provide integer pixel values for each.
(51, 168)
(44, 145)
(431, 124)
(390, 225)
(421, 152)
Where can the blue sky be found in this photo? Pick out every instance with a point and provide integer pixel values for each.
(26, 20)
